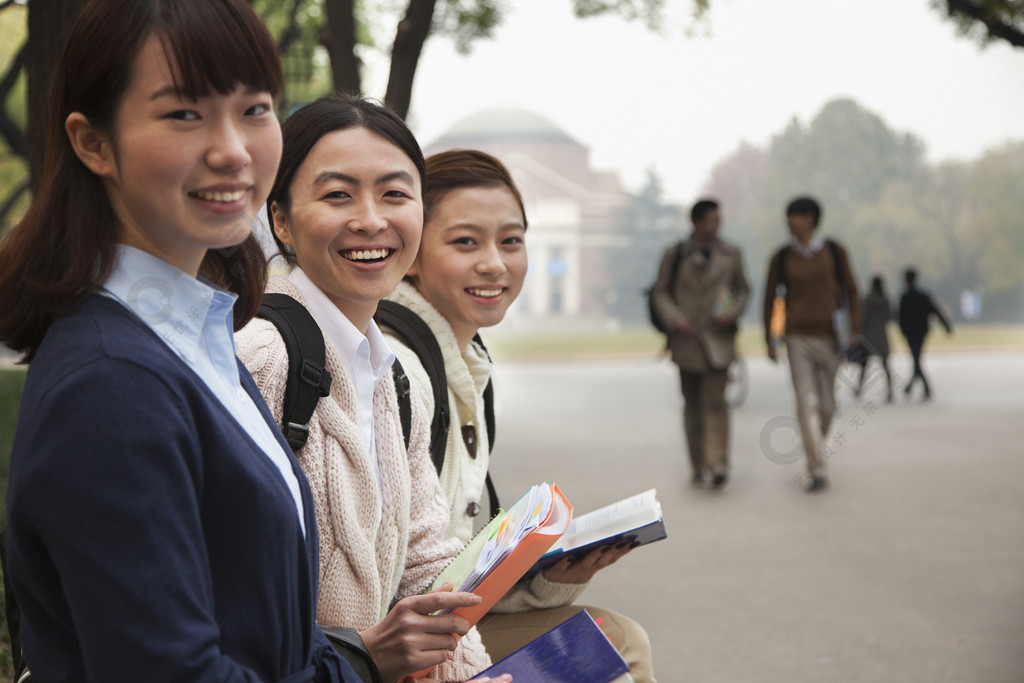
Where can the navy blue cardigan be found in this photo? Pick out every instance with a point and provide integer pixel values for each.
(149, 538)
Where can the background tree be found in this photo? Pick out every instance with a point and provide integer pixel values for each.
(648, 226)
(987, 20)
(349, 29)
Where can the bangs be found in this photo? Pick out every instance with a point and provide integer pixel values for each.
(214, 54)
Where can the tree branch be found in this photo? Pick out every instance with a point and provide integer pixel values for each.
(996, 27)
(12, 134)
(405, 54)
(339, 37)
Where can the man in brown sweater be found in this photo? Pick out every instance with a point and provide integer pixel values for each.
(819, 291)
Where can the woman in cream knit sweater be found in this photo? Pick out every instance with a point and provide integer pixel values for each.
(470, 268)
(346, 208)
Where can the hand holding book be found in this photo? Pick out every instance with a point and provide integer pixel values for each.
(411, 637)
(581, 569)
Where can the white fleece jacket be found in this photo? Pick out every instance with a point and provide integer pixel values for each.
(364, 569)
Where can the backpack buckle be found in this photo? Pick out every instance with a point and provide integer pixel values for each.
(295, 434)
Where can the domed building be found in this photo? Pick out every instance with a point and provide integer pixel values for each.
(573, 213)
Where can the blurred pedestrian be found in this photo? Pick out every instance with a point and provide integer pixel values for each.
(700, 292)
(916, 309)
(877, 312)
(822, 316)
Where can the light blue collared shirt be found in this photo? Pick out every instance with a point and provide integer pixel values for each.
(194, 319)
(368, 357)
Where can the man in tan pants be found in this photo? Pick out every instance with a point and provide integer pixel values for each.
(818, 282)
(700, 292)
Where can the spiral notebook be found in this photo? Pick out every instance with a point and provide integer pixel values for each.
(575, 651)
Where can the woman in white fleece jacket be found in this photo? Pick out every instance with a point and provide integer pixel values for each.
(470, 267)
(346, 209)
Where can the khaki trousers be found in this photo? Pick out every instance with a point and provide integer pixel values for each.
(503, 634)
(706, 420)
(813, 362)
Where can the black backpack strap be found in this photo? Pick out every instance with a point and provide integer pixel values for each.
(417, 335)
(492, 494)
(404, 391)
(308, 377)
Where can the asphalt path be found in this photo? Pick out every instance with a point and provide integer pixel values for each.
(909, 568)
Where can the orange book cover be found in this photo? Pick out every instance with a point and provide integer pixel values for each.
(522, 558)
(502, 572)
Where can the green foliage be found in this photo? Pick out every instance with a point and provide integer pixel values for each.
(13, 168)
(11, 383)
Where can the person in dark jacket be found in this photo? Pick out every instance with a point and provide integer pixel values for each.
(159, 528)
(916, 308)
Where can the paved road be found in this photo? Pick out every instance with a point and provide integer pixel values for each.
(910, 568)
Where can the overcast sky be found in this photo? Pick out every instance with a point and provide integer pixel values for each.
(679, 104)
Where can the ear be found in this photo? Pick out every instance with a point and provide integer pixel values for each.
(91, 145)
(282, 228)
(414, 270)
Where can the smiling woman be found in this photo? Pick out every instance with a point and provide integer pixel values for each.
(347, 212)
(159, 528)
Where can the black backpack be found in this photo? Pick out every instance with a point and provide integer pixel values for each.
(652, 312)
(309, 379)
(416, 334)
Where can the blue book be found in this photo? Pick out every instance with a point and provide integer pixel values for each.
(636, 519)
(575, 651)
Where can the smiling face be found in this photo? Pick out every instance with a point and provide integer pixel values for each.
(472, 262)
(355, 218)
(185, 176)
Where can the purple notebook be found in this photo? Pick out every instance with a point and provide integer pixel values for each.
(575, 651)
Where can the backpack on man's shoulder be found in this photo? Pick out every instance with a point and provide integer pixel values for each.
(652, 311)
(418, 336)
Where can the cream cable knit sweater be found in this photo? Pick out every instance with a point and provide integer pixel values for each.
(462, 477)
(364, 570)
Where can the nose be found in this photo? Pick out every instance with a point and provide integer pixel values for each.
(368, 217)
(228, 148)
(490, 261)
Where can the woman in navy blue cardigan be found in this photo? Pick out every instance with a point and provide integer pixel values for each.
(159, 528)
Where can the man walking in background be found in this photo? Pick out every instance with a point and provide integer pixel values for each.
(822, 314)
(916, 308)
(700, 292)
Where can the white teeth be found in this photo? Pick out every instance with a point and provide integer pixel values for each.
(221, 196)
(366, 254)
(486, 293)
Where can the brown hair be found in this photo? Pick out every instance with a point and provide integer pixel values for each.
(458, 168)
(64, 248)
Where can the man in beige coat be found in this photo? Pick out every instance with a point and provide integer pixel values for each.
(700, 292)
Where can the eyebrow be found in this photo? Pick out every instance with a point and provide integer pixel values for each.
(327, 176)
(167, 90)
(172, 91)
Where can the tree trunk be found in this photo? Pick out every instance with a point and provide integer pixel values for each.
(339, 37)
(49, 23)
(405, 54)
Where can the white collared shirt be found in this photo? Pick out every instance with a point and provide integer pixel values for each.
(811, 248)
(195, 319)
(368, 358)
